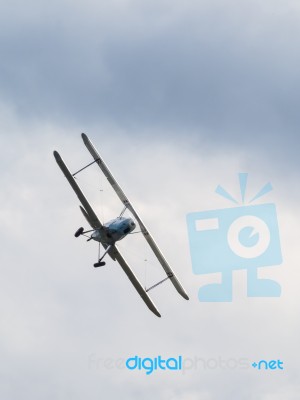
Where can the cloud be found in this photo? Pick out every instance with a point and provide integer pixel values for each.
(227, 71)
(59, 312)
(178, 97)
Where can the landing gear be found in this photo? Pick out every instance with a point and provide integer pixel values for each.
(99, 264)
(79, 232)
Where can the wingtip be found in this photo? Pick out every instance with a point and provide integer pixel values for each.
(182, 292)
(56, 154)
(155, 311)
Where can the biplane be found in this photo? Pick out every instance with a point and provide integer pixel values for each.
(109, 233)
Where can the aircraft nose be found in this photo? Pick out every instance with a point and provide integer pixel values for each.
(131, 223)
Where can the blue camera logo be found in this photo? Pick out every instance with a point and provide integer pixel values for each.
(243, 237)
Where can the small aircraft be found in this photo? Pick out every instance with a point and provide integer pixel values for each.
(117, 229)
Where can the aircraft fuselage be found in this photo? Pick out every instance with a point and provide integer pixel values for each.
(114, 230)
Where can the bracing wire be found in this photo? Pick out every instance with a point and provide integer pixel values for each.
(101, 198)
(145, 272)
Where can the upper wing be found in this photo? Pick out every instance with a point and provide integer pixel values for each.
(127, 203)
(87, 210)
(93, 220)
(114, 252)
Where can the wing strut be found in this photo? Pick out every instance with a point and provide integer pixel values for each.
(158, 283)
(77, 172)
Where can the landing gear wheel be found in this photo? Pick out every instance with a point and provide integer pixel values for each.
(99, 264)
(78, 232)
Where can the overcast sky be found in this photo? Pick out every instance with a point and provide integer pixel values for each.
(178, 97)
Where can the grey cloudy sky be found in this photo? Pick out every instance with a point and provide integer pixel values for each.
(178, 97)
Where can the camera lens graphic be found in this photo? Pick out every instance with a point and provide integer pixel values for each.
(248, 236)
